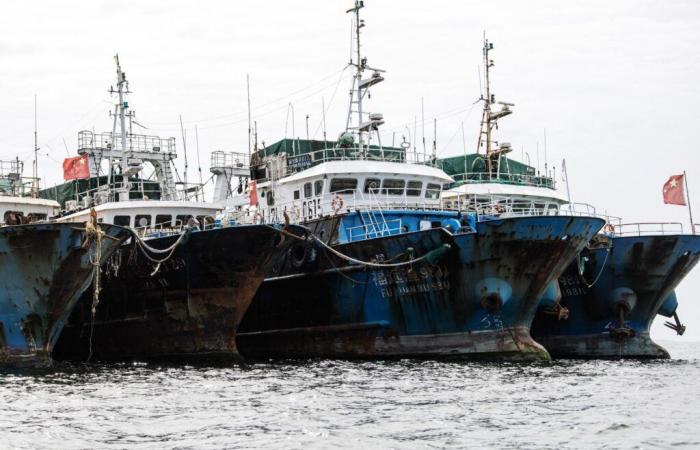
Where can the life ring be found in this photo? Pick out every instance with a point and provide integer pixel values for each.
(337, 203)
(609, 228)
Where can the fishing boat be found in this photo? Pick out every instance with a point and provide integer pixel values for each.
(44, 268)
(616, 288)
(180, 286)
(385, 271)
(604, 303)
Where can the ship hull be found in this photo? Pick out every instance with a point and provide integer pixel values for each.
(189, 309)
(44, 269)
(476, 300)
(636, 274)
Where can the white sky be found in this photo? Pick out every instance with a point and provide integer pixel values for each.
(615, 84)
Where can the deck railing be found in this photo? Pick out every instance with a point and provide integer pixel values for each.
(648, 229)
(87, 140)
(505, 178)
(294, 162)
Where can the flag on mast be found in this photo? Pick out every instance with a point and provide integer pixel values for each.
(673, 190)
(76, 168)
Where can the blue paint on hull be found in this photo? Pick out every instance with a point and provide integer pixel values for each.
(477, 300)
(43, 271)
(639, 272)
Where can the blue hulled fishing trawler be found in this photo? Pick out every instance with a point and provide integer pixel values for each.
(385, 272)
(44, 268)
(604, 303)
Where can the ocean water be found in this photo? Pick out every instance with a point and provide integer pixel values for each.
(358, 404)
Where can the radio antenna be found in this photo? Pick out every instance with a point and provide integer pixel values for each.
(199, 164)
(184, 150)
(35, 169)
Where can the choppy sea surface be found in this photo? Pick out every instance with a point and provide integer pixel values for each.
(358, 404)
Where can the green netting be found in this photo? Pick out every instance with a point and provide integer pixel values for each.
(473, 168)
(475, 163)
(295, 147)
(74, 189)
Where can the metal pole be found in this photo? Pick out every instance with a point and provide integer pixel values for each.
(422, 118)
(323, 108)
(184, 151)
(566, 178)
(247, 81)
(35, 174)
(199, 164)
(687, 196)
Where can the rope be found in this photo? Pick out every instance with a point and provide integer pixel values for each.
(581, 269)
(373, 264)
(168, 252)
(93, 242)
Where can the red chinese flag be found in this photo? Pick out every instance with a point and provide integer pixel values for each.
(673, 191)
(253, 191)
(74, 168)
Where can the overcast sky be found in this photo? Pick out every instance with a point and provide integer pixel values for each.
(615, 84)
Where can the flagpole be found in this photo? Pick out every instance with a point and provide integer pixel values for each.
(687, 196)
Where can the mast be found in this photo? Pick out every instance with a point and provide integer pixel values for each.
(489, 118)
(122, 113)
(360, 87)
(121, 81)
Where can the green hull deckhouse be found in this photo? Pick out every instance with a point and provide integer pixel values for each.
(488, 181)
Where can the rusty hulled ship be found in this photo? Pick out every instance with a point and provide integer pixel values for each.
(605, 302)
(386, 272)
(471, 293)
(44, 268)
(181, 285)
(615, 289)
(187, 305)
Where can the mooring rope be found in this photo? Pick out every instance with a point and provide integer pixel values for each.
(581, 270)
(93, 242)
(168, 252)
(375, 264)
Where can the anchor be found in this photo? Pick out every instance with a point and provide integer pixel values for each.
(622, 332)
(678, 327)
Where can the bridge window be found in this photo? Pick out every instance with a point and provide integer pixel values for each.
(35, 217)
(165, 220)
(432, 191)
(372, 185)
(307, 190)
(123, 221)
(414, 188)
(318, 187)
(296, 195)
(142, 221)
(393, 187)
(343, 185)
